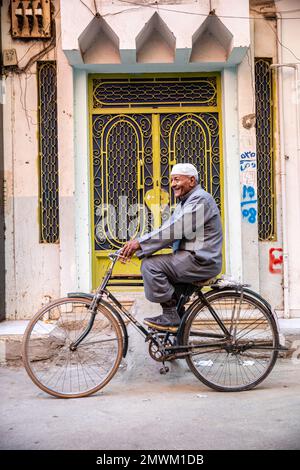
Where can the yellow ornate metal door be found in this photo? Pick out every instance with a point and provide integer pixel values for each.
(122, 175)
(140, 127)
(191, 138)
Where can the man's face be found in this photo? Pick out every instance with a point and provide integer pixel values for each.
(182, 184)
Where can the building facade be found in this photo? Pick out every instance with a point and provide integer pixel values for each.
(108, 95)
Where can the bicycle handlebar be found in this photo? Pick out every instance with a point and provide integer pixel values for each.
(115, 255)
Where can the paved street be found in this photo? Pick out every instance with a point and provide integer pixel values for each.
(141, 409)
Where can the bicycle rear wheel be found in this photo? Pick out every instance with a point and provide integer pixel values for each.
(47, 348)
(235, 364)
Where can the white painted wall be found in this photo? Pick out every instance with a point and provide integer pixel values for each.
(127, 21)
(248, 182)
(32, 276)
(233, 228)
(67, 203)
(36, 272)
(264, 45)
(291, 40)
(82, 183)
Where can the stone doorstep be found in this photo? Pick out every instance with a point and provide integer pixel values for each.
(11, 335)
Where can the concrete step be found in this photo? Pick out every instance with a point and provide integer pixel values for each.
(11, 335)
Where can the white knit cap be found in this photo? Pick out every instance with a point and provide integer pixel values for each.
(186, 169)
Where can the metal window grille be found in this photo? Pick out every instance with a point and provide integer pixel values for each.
(48, 152)
(265, 149)
(140, 92)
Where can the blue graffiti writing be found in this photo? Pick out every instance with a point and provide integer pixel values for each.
(248, 191)
(248, 161)
(244, 203)
(248, 198)
(250, 214)
(245, 164)
(248, 155)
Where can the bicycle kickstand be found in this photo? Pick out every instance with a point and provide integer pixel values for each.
(164, 369)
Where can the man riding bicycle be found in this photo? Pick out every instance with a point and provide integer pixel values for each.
(194, 231)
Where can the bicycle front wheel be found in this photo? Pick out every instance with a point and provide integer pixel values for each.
(55, 365)
(241, 362)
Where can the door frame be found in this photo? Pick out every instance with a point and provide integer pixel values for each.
(154, 111)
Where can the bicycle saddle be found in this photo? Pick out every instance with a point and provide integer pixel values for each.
(188, 288)
(207, 282)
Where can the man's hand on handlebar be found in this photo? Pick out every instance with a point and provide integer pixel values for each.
(128, 250)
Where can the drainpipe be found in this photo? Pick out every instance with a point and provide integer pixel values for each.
(283, 162)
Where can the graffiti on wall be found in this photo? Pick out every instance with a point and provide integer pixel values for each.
(248, 162)
(248, 204)
(249, 199)
(275, 260)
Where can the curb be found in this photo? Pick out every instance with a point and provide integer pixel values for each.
(11, 336)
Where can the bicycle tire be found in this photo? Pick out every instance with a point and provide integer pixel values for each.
(229, 367)
(53, 366)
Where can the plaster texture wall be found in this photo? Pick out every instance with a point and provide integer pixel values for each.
(37, 272)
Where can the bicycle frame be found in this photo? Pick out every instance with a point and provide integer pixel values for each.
(227, 335)
(103, 291)
(177, 349)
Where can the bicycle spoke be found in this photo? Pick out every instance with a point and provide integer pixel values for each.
(54, 366)
(232, 365)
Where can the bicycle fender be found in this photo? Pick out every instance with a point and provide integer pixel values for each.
(247, 291)
(85, 295)
(255, 296)
(260, 298)
(266, 304)
(110, 307)
(250, 292)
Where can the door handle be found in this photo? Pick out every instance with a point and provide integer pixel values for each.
(140, 180)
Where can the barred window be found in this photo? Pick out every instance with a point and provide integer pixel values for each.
(265, 149)
(48, 152)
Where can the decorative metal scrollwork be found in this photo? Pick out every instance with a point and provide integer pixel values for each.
(137, 92)
(265, 150)
(125, 145)
(122, 174)
(192, 138)
(48, 152)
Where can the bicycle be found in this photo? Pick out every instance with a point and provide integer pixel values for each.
(73, 346)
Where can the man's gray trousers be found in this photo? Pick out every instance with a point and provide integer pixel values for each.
(161, 272)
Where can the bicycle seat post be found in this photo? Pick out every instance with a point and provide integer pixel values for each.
(184, 292)
(181, 302)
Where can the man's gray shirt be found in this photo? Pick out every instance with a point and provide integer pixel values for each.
(196, 224)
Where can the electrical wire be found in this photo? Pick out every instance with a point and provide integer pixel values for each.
(96, 9)
(154, 5)
(41, 53)
(32, 45)
(282, 45)
(97, 14)
(94, 14)
(251, 63)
